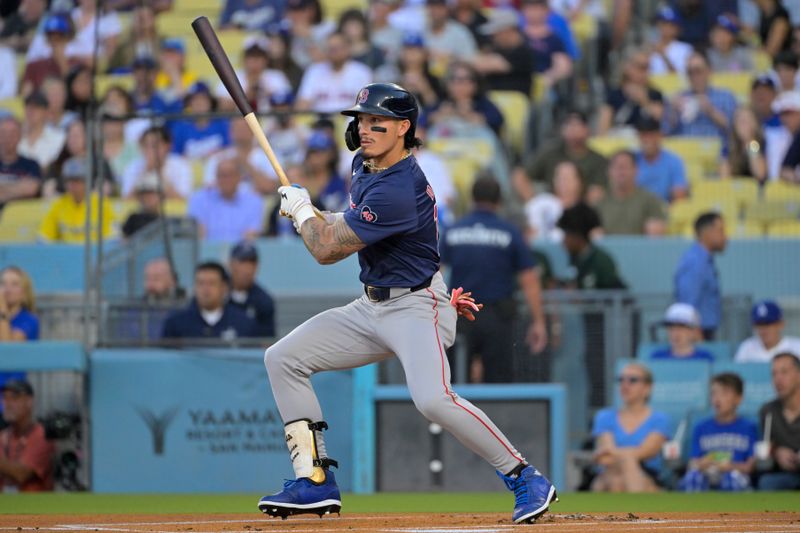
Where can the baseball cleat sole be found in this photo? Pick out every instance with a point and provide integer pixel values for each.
(284, 510)
(531, 517)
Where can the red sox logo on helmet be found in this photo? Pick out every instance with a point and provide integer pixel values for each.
(362, 96)
(368, 214)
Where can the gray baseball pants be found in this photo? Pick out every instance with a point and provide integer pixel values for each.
(417, 327)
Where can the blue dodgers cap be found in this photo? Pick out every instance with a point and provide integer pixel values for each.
(244, 251)
(413, 39)
(667, 14)
(174, 44)
(727, 23)
(198, 87)
(57, 23)
(320, 141)
(145, 61)
(766, 312)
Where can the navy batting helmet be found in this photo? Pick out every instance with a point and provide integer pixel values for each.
(383, 99)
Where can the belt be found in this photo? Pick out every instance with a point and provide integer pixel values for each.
(381, 294)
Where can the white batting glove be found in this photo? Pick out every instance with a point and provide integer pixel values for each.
(296, 205)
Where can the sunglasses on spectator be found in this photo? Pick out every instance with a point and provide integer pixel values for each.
(630, 379)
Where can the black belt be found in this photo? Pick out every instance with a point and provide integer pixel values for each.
(381, 294)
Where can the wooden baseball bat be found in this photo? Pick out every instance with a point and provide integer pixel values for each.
(222, 64)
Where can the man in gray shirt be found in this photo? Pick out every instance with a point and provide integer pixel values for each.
(444, 37)
(784, 413)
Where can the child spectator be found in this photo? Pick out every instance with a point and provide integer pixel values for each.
(722, 445)
(17, 306)
(668, 53)
(767, 318)
(726, 54)
(628, 440)
(683, 330)
(174, 80)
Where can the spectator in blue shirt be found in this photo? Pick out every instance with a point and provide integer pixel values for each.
(683, 329)
(17, 306)
(226, 211)
(251, 15)
(489, 256)
(145, 97)
(209, 315)
(696, 278)
(702, 110)
(197, 139)
(659, 171)
(248, 295)
(628, 440)
(722, 445)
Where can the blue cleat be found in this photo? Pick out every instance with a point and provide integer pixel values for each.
(304, 496)
(533, 494)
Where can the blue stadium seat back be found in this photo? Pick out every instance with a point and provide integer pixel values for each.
(645, 349)
(757, 379)
(722, 351)
(678, 386)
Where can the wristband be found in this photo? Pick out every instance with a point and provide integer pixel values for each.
(304, 213)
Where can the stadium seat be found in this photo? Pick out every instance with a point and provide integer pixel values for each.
(762, 61)
(748, 229)
(668, 84)
(175, 24)
(705, 150)
(740, 191)
(21, 219)
(722, 351)
(606, 145)
(677, 387)
(683, 213)
(736, 82)
(768, 212)
(782, 192)
(515, 108)
(331, 9)
(14, 106)
(694, 172)
(478, 150)
(757, 379)
(784, 228)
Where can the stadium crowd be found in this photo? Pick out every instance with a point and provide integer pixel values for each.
(592, 117)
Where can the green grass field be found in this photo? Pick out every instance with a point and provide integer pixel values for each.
(82, 503)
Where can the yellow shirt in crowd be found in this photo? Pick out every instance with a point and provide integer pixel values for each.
(66, 220)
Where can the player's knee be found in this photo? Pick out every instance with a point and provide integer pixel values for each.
(431, 407)
(274, 359)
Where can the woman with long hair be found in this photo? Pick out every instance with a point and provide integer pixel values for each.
(17, 306)
(745, 151)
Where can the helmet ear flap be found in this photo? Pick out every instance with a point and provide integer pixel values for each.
(351, 136)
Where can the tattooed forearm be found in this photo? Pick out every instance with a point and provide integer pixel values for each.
(329, 243)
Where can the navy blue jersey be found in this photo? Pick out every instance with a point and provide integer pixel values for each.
(394, 213)
(260, 308)
(189, 323)
(485, 254)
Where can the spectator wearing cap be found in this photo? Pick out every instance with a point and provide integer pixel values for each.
(659, 171)
(18, 321)
(572, 145)
(696, 279)
(251, 15)
(552, 61)
(156, 156)
(26, 456)
(174, 80)
(787, 105)
(142, 39)
(683, 332)
(20, 26)
(200, 138)
(20, 177)
(415, 71)
(775, 27)
(148, 205)
(725, 53)
(629, 209)
(784, 415)
(329, 86)
(445, 38)
(768, 340)
(763, 92)
(246, 294)
(210, 314)
(784, 70)
(668, 54)
(58, 31)
(507, 60)
(258, 77)
(41, 141)
(697, 17)
(146, 98)
(633, 99)
(257, 172)
(744, 156)
(226, 212)
(65, 221)
(701, 110)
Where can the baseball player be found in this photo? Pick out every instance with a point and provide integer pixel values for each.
(405, 312)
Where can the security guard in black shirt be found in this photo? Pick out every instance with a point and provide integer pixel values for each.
(246, 294)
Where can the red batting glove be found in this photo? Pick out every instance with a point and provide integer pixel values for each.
(464, 303)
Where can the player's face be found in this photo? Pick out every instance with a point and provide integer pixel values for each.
(724, 400)
(378, 143)
(785, 377)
